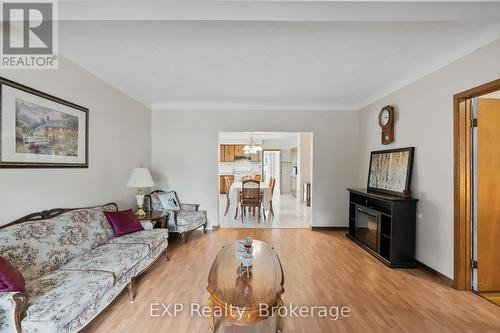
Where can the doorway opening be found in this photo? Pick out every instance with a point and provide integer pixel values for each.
(477, 190)
(271, 168)
(279, 165)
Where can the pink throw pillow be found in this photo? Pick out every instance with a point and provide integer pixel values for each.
(123, 222)
(10, 278)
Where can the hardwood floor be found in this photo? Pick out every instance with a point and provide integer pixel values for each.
(320, 268)
(492, 297)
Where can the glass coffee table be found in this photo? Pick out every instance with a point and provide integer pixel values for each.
(245, 299)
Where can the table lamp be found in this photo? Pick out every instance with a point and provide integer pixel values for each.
(140, 178)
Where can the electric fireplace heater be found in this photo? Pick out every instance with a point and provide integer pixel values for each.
(367, 228)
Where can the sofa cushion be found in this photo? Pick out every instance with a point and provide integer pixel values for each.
(123, 222)
(188, 220)
(113, 258)
(39, 247)
(155, 201)
(169, 201)
(151, 238)
(10, 278)
(185, 218)
(60, 296)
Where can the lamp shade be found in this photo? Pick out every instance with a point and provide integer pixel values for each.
(140, 177)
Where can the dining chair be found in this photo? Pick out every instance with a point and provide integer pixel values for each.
(272, 182)
(227, 184)
(250, 196)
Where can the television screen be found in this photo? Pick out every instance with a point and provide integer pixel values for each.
(390, 170)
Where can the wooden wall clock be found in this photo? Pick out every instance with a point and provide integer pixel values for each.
(386, 122)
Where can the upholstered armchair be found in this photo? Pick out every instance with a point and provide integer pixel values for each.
(181, 219)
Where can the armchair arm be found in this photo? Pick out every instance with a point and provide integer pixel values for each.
(12, 308)
(147, 225)
(172, 215)
(189, 207)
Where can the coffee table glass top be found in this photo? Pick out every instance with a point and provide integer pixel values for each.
(264, 285)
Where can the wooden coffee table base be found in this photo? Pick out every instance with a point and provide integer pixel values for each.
(248, 318)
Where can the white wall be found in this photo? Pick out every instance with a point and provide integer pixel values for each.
(424, 119)
(285, 145)
(305, 162)
(118, 138)
(185, 154)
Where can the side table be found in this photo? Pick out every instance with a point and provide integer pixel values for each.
(156, 217)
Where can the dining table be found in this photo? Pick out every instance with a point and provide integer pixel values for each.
(236, 188)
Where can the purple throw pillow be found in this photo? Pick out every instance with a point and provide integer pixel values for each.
(10, 278)
(123, 222)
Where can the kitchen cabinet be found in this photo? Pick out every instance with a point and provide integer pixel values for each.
(222, 153)
(255, 157)
(238, 151)
(228, 153)
(222, 184)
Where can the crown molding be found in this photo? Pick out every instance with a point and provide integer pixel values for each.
(245, 10)
(251, 107)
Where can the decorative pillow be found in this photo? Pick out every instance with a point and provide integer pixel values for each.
(10, 278)
(169, 201)
(123, 222)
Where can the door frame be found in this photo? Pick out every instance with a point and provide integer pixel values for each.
(462, 173)
(262, 163)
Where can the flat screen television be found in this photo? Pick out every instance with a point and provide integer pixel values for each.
(390, 171)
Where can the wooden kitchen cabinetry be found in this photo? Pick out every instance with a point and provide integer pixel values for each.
(222, 184)
(222, 150)
(238, 151)
(226, 153)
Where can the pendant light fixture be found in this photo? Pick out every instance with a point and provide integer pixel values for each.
(251, 148)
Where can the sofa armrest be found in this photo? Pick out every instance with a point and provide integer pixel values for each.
(147, 225)
(190, 207)
(12, 308)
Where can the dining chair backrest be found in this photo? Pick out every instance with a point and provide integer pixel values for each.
(272, 183)
(250, 189)
(227, 184)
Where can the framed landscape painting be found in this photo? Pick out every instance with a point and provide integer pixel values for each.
(40, 131)
(390, 171)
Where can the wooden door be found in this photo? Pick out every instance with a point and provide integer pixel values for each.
(222, 153)
(488, 194)
(229, 153)
(238, 151)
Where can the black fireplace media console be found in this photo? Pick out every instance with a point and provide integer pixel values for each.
(384, 225)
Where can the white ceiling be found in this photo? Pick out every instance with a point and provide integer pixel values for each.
(312, 59)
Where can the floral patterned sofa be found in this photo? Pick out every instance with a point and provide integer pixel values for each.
(73, 267)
